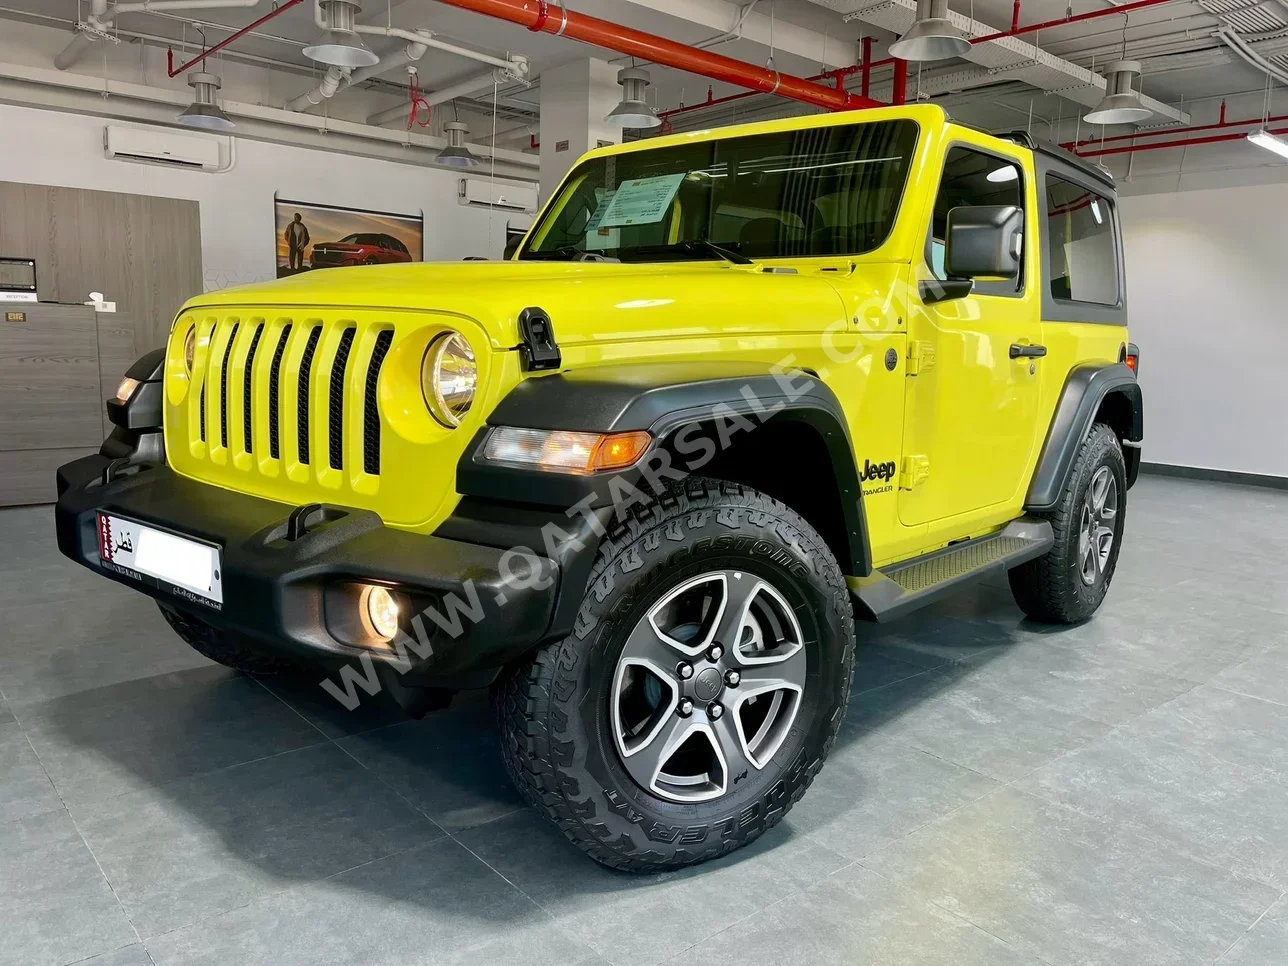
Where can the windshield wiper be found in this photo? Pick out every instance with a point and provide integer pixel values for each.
(695, 246)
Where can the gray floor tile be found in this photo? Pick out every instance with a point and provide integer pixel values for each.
(25, 789)
(448, 764)
(58, 908)
(644, 919)
(304, 693)
(1072, 889)
(1073, 682)
(203, 845)
(854, 916)
(875, 789)
(1262, 675)
(955, 717)
(875, 667)
(1231, 815)
(1266, 943)
(128, 736)
(1233, 727)
(134, 955)
(431, 905)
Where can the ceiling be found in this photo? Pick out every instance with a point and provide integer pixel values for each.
(1185, 62)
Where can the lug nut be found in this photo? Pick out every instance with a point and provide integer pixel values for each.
(732, 678)
(684, 708)
(684, 670)
(715, 652)
(715, 710)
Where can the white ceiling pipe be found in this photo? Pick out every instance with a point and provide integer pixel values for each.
(518, 65)
(467, 86)
(507, 134)
(100, 19)
(408, 55)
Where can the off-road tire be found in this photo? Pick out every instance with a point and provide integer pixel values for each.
(224, 648)
(1050, 589)
(552, 709)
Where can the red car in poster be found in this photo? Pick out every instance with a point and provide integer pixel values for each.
(362, 248)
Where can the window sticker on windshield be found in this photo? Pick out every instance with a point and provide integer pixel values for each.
(644, 201)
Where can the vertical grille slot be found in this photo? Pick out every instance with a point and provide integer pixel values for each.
(211, 341)
(247, 378)
(371, 406)
(336, 415)
(223, 387)
(306, 377)
(274, 401)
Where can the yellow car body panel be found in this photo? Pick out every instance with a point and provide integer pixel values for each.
(975, 417)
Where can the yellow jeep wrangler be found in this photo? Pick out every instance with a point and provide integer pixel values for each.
(734, 390)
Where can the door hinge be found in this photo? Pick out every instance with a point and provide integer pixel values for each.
(915, 470)
(921, 357)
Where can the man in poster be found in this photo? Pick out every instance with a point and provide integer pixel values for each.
(297, 239)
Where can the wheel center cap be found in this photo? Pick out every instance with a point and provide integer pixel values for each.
(708, 684)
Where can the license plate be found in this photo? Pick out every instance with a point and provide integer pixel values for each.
(186, 568)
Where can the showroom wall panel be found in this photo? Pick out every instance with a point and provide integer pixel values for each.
(237, 226)
(1206, 296)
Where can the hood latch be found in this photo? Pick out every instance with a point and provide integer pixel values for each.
(539, 349)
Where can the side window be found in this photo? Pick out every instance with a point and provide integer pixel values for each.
(974, 178)
(1081, 246)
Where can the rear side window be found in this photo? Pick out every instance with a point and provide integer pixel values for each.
(1081, 244)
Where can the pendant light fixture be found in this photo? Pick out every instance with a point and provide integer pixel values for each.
(932, 37)
(339, 45)
(204, 112)
(633, 111)
(1121, 103)
(456, 154)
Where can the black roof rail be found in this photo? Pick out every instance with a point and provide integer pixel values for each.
(1053, 150)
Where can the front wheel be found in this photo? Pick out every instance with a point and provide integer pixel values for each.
(1069, 582)
(702, 687)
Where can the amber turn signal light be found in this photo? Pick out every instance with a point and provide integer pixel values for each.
(617, 450)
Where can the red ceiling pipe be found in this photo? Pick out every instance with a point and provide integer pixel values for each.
(865, 85)
(899, 94)
(1017, 30)
(1159, 145)
(176, 71)
(1015, 17)
(1171, 131)
(541, 16)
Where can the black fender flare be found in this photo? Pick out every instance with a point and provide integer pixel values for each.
(668, 400)
(1085, 391)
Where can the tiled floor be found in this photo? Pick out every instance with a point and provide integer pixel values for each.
(1002, 793)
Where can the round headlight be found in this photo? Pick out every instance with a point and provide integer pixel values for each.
(190, 348)
(449, 377)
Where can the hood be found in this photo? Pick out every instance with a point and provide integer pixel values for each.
(588, 302)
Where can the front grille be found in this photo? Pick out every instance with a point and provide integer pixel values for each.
(336, 412)
(313, 405)
(306, 379)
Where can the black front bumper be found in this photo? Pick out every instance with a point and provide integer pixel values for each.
(480, 606)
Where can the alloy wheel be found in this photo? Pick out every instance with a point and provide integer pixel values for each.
(707, 686)
(1096, 529)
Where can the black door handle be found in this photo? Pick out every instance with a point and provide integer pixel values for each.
(1019, 351)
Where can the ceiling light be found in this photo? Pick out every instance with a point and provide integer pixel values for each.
(1095, 212)
(340, 45)
(456, 154)
(1006, 172)
(1264, 139)
(1121, 104)
(932, 37)
(204, 112)
(633, 111)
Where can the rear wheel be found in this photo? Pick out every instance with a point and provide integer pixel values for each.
(701, 689)
(224, 648)
(1069, 582)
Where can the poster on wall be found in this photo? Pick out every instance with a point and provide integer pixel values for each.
(312, 236)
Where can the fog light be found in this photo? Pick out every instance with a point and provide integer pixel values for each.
(383, 612)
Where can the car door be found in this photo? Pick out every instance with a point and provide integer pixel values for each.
(972, 391)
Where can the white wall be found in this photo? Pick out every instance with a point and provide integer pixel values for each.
(1206, 297)
(237, 221)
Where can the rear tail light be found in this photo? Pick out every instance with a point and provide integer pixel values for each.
(1131, 357)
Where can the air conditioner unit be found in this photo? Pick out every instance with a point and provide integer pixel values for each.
(505, 195)
(159, 146)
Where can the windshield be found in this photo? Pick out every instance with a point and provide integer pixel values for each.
(818, 191)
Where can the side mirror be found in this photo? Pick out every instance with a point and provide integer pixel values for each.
(984, 241)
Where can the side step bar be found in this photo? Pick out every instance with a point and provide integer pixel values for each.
(903, 587)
